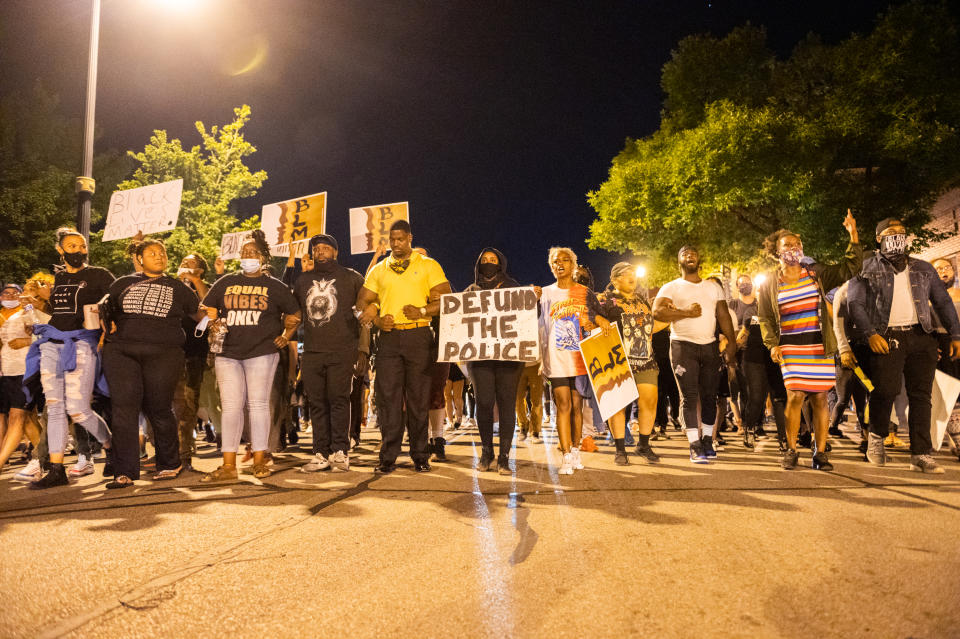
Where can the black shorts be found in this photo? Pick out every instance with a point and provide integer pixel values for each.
(456, 375)
(11, 390)
(560, 382)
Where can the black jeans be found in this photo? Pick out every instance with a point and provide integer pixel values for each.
(849, 386)
(763, 378)
(357, 408)
(496, 383)
(697, 371)
(912, 361)
(666, 392)
(404, 366)
(143, 377)
(327, 379)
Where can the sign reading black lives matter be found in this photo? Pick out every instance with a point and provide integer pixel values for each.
(494, 324)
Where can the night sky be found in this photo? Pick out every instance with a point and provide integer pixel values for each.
(492, 118)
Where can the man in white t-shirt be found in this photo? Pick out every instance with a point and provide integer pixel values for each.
(695, 307)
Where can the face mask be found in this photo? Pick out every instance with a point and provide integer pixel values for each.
(201, 327)
(745, 289)
(188, 271)
(10, 303)
(488, 269)
(791, 256)
(250, 265)
(75, 260)
(893, 246)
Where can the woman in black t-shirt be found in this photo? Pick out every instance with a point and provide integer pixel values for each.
(260, 315)
(143, 358)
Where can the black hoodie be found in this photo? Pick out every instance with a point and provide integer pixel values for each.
(500, 280)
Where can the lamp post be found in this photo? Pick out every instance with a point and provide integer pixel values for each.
(86, 185)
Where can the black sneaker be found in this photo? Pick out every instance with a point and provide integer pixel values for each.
(696, 453)
(384, 469)
(862, 447)
(707, 443)
(439, 450)
(422, 466)
(759, 433)
(748, 439)
(646, 453)
(790, 459)
(209, 435)
(56, 477)
(620, 458)
(835, 431)
(820, 462)
(486, 461)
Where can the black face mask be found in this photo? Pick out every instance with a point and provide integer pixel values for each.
(75, 260)
(745, 289)
(488, 269)
(894, 249)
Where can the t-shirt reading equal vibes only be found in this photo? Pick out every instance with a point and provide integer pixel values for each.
(561, 310)
(253, 308)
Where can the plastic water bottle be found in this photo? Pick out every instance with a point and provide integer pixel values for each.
(29, 315)
(218, 333)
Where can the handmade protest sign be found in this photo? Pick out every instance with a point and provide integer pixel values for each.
(370, 225)
(609, 371)
(285, 223)
(151, 209)
(494, 324)
(231, 243)
(946, 390)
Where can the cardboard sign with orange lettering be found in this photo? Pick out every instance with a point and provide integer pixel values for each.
(609, 372)
(293, 221)
(370, 225)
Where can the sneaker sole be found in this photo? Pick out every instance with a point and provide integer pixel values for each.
(699, 460)
(938, 471)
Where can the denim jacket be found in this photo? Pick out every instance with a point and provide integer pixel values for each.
(870, 297)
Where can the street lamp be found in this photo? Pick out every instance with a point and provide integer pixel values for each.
(86, 185)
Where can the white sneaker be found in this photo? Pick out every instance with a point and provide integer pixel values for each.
(567, 467)
(577, 462)
(30, 472)
(319, 462)
(535, 439)
(339, 461)
(83, 467)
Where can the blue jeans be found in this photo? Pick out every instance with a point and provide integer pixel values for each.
(245, 383)
(69, 393)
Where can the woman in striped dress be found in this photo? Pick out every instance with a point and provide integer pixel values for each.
(796, 323)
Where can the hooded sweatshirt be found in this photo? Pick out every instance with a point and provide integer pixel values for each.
(499, 280)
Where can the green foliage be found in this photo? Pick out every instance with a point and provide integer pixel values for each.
(214, 177)
(749, 144)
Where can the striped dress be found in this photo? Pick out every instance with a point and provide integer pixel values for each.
(805, 367)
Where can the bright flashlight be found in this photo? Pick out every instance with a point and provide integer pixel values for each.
(760, 278)
(641, 271)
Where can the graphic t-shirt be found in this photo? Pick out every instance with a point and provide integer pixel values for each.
(706, 293)
(326, 302)
(635, 318)
(72, 291)
(561, 310)
(150, 310)
(252, 308)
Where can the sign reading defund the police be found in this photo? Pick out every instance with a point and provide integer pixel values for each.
(494, 324)
(609, 372)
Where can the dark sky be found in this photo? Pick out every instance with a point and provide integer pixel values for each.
(492, 118)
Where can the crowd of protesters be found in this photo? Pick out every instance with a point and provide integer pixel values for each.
(107, 363)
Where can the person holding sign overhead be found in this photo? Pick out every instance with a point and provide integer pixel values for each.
(397, 295)
(494, 381)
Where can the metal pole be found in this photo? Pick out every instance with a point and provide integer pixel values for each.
(85, 182)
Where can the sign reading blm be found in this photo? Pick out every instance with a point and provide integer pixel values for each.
(292, 221)
(370, 225)
(609, 372)
(497, 324)
(151, 209)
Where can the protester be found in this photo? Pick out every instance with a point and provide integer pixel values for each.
(626, 307)
(495, 382)
(530, 385)
(895, 302)
(797, 327)
(401, 294)
(186, 400)
(852, 353)
(668, 395)
(260, 315)
(68, 357)
(144, 359)
(453, 394)
(332, 351)
(695, 307)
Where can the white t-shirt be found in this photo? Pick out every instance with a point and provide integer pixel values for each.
(903, 312)
(706, 293)
(13, 361)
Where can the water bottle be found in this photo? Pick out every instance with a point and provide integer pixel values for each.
(29, 316)
(218, 333)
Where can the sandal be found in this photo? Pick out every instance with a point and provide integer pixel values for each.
(168, 474)
(261, 470)
(120, 481)
(223, 473)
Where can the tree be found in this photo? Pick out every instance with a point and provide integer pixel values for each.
(214, 178)
(749, 143)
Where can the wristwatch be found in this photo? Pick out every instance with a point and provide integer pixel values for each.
(423, 311)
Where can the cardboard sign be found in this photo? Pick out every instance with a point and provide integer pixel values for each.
(151, 209)
(495, 324)
(293, 220)
(946, 390)
(370, 225)
(609, 372)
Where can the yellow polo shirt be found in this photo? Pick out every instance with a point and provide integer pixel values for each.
(396, 290)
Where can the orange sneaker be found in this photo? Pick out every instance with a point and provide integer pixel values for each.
(587, 445)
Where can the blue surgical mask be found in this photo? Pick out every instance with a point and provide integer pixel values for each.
(250, 265)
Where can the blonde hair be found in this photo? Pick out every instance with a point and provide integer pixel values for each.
(557, 250)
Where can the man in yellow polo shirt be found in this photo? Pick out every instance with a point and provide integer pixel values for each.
(396, 296)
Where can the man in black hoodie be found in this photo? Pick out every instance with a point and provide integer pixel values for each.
(494, 382)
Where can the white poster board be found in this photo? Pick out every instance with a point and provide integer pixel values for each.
(946, 390)
(150, 209)
(495, 324)
(231, 243)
